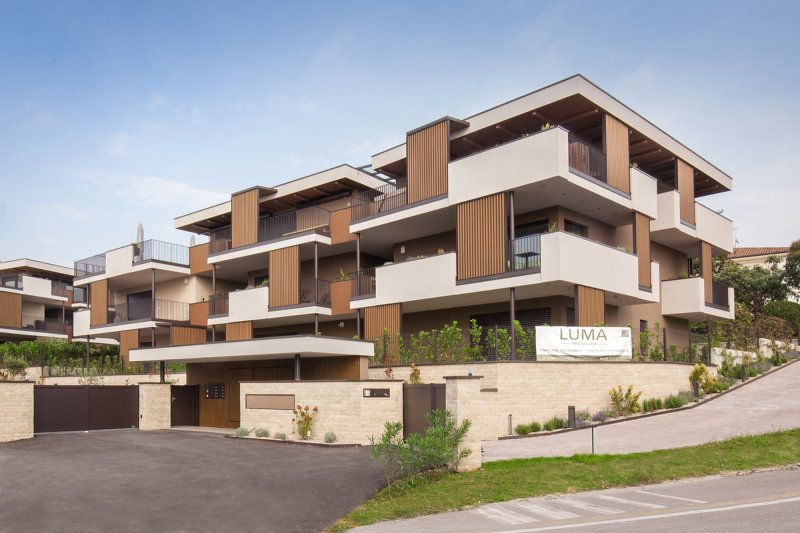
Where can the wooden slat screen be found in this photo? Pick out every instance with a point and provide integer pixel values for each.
(128, 340)
(340, 226)
(244, 218)
(707, 271)
(198, 259)
(341, 291)
(641, 247)
(10, 310)
(481, 236)
(686, 190)
(617, 150)
(198, 313)
(239, 331)
(284, 277)
(180, 335)
(589, 306)
(428, 155)
(98, 295)
(381, 317)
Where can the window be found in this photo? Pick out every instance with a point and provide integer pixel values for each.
(576, 229)
(642, 325)
(570, 316)
(531, 228)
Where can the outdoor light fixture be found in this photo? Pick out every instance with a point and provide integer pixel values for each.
(341, 324)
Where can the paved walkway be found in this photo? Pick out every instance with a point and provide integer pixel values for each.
(769, 404)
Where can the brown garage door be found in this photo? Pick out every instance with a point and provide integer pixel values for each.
(84, 407)
(419, 400)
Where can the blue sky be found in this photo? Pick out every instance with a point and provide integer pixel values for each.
(112, 113)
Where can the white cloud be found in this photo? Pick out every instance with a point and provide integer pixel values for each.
(118, 144)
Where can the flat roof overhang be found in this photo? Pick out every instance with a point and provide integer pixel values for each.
(257, 350)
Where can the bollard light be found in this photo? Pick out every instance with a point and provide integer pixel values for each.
(509, 425)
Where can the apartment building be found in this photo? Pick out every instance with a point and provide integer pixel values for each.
(36, 300)
(561, 207)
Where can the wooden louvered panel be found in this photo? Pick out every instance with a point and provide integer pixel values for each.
(128, 340)
(641, 247)
(284, 277)
(244, 218)
(686, 191)
(198, 259)
(340, 226)
(707, 271)
(481, 236)
(239, 331)
(198, 313)
(381, 317)
(428, 154)
(98, 294)
(180, 335)
(10, 310)
(589, 306)
(617, 148)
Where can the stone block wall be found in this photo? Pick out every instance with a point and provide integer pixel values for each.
(155, 406)
(16, 410)
(342, 407)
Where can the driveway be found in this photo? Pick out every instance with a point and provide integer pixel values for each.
(128, 480)
(770, 403)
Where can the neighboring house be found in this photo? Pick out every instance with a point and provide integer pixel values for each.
(561, 207)
(757, 256)
(36, 300)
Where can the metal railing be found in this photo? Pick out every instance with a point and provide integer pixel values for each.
(59, 288)
(363, 282)
(315, 292)
(46, 325)
(90, 266)
(524, 253)
(148, 309)
(219, 240)
(289, 224)
(11, 282)
(719, 294)
(80, 295)
(167, 252)
(219, 304)
(587, 160)
(376, 201)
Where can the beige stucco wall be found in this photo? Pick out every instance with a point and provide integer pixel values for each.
(155, 406)
(342, 408)
(16, 411)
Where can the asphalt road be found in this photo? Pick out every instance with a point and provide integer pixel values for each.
(759, 501)
(130, 480)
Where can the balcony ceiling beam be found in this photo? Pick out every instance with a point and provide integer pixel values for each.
(473, 142)
(507, 130)
(580, 115)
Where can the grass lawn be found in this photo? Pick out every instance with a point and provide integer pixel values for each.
(506, 480)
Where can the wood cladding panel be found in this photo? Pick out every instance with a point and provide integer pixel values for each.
(244, 218)
(481, 236)
(331, 368)
(198, 259)
(340, 297)
(381, 317)
(641, 247)
(180, 335)
(98, 295)
(428, 152)
(340, 226)
(706, 270)
(239, 331)
(10, 310)
(589, 306)
(284, 277)
(617, 148)
(128, 340)
(198, 313)
(70, 297)
(686, 191)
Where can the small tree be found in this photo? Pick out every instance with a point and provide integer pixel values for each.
(788, 311)
(386, 450)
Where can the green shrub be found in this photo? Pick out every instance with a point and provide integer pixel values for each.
(280, 436)
(674, 401)
(554, 423)
(262, 432)
(652, 404)
(242, 432)
(330, 437)
(522, 429)
(15, 367)
(624, 402)
(303, 421)
(535, 427)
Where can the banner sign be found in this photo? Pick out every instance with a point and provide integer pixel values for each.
(583, 342)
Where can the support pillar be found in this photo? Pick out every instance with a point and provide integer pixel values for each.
(512, 296)
(155, 406)
(463, 400)
(153, 296)
(16, 422)
(297, 367)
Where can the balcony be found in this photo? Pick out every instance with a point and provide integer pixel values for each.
(218, 304)
(363, 283)
(148, 309)
(373, 202)
(586, 160)
(253, 303)
(710, 226)
(315, 292)
(164, 252)
(44, 325)
(13, 281)
(34, 288)
(686, 298)
(524, 254)
(134, 258)
(91, 266)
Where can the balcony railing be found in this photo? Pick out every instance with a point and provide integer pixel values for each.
(46, 325)
(376, 201)
(219, 304)
(11, 282)
(315, 292)
(59, 288)
(587, 160)
(148, 309)
(363, 283)
(165, 252)
(219, 240)
(80, 295)
(294, 222)
(719, 293)
(524, 253)
(90, 266)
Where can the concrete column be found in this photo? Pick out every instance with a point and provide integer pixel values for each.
(16, 410)
(463, 400)
(297, 367)
(155, 406)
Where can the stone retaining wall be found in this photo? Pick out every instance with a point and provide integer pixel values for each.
(16, 410)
